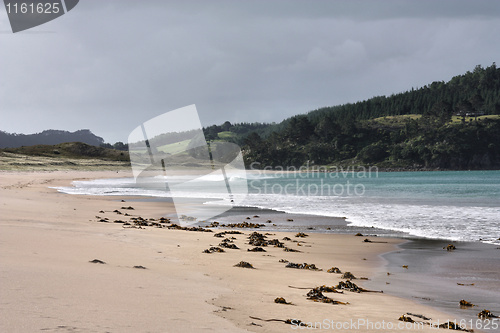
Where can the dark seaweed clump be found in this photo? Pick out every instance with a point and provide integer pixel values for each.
(244, 264)
(302, 266)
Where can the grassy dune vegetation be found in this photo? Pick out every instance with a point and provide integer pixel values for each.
(65, 156)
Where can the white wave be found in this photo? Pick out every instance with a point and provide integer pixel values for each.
(429, 221)
(430, 218)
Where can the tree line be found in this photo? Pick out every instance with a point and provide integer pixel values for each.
(423, 134)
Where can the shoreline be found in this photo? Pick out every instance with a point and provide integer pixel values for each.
(485, 292)
(409, 215)
(471, 272)
(68, 224)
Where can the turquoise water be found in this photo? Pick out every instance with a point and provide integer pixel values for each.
(453, 205)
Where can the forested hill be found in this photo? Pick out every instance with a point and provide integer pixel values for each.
(445, 125)
(49, 137)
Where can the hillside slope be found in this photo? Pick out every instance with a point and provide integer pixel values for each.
(49, 137)
(452, 125)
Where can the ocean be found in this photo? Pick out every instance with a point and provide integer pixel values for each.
(448, 205)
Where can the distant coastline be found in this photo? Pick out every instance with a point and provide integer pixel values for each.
(87, 157)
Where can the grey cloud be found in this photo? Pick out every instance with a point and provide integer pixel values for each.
(111, 65)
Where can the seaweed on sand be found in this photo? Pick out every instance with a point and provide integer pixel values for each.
(328, 289)
(302, 266)
(295, 322)
(256, 249)
(450, 247)
(257, 239)
(405, 318)
(486, 314)
(334, 270)
(228, 244)
(281, 300)
(244, 225)
(214, 249)
(244, 264)
(351, 286)
(178, 227)
(231, 232)
(276, 243)
(348, 276)
(287, 249)
(317, 296)
(418, 315)
(464, 304)
(97, 261)
(366, 240)
(454, 326)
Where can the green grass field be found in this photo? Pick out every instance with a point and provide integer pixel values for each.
(399, 121)
(457, 119)
(175, 148)
(226, 135)
(393, 121)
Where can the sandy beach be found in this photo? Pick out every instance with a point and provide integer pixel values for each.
(159, 280)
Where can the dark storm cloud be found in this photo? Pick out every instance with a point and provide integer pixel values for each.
(111, 65)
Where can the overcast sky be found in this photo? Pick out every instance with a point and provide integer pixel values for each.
(111, 65)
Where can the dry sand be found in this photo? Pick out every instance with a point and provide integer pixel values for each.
(48, 284)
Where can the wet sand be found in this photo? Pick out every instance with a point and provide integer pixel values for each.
(48, 240)
(442, 278)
